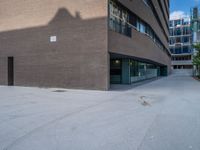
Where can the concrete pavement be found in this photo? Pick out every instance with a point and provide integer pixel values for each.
(161, 115)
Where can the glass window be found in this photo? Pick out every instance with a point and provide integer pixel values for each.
(142, 69)
(115, 67)
(172, 50)
(171, 32)
(186, 22)
(178, 50)
(172, 41)
(171, 23)
(178, 40)
(151, 33)
(177, 22)
(147, 30)
(133, 20)
(119, 19)
(114, 17)
(147, 2)
(186, 39)
(124, 16)
(198, 27)
(186, 30)
(134, 68)
(177, 31)
(138, 25)
(122, 20)
(186, 49)
(142, 27)
(125, 19)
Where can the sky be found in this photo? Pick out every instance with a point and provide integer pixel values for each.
(182, 7)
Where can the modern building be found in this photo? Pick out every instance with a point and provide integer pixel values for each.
(181, 43)
(86, 44)
(195, 26)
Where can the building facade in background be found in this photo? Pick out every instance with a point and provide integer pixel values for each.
(195, 26)
(83, 44)
(181, 43)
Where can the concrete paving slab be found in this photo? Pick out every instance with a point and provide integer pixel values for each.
(161, 115)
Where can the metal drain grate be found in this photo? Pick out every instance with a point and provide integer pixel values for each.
(59, 91)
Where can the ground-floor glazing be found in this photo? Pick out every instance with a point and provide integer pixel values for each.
(128, 70)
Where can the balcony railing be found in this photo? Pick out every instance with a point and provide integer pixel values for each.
(181, 62)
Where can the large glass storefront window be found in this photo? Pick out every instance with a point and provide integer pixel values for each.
(134, 68)
(127, 71)
(142, 71)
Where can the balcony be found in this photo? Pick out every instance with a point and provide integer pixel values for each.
(182, 62)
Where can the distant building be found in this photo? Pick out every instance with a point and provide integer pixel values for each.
(195, 26)
(87, 44)
(181, 44)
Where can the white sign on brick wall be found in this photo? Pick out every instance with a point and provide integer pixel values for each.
(53, 39)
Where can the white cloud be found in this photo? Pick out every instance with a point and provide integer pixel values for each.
(178, 14)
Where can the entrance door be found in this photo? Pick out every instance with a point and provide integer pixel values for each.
(10, 71)
(163, 71)
(115, 71)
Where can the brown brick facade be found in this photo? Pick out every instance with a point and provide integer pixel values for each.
(80, 57)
